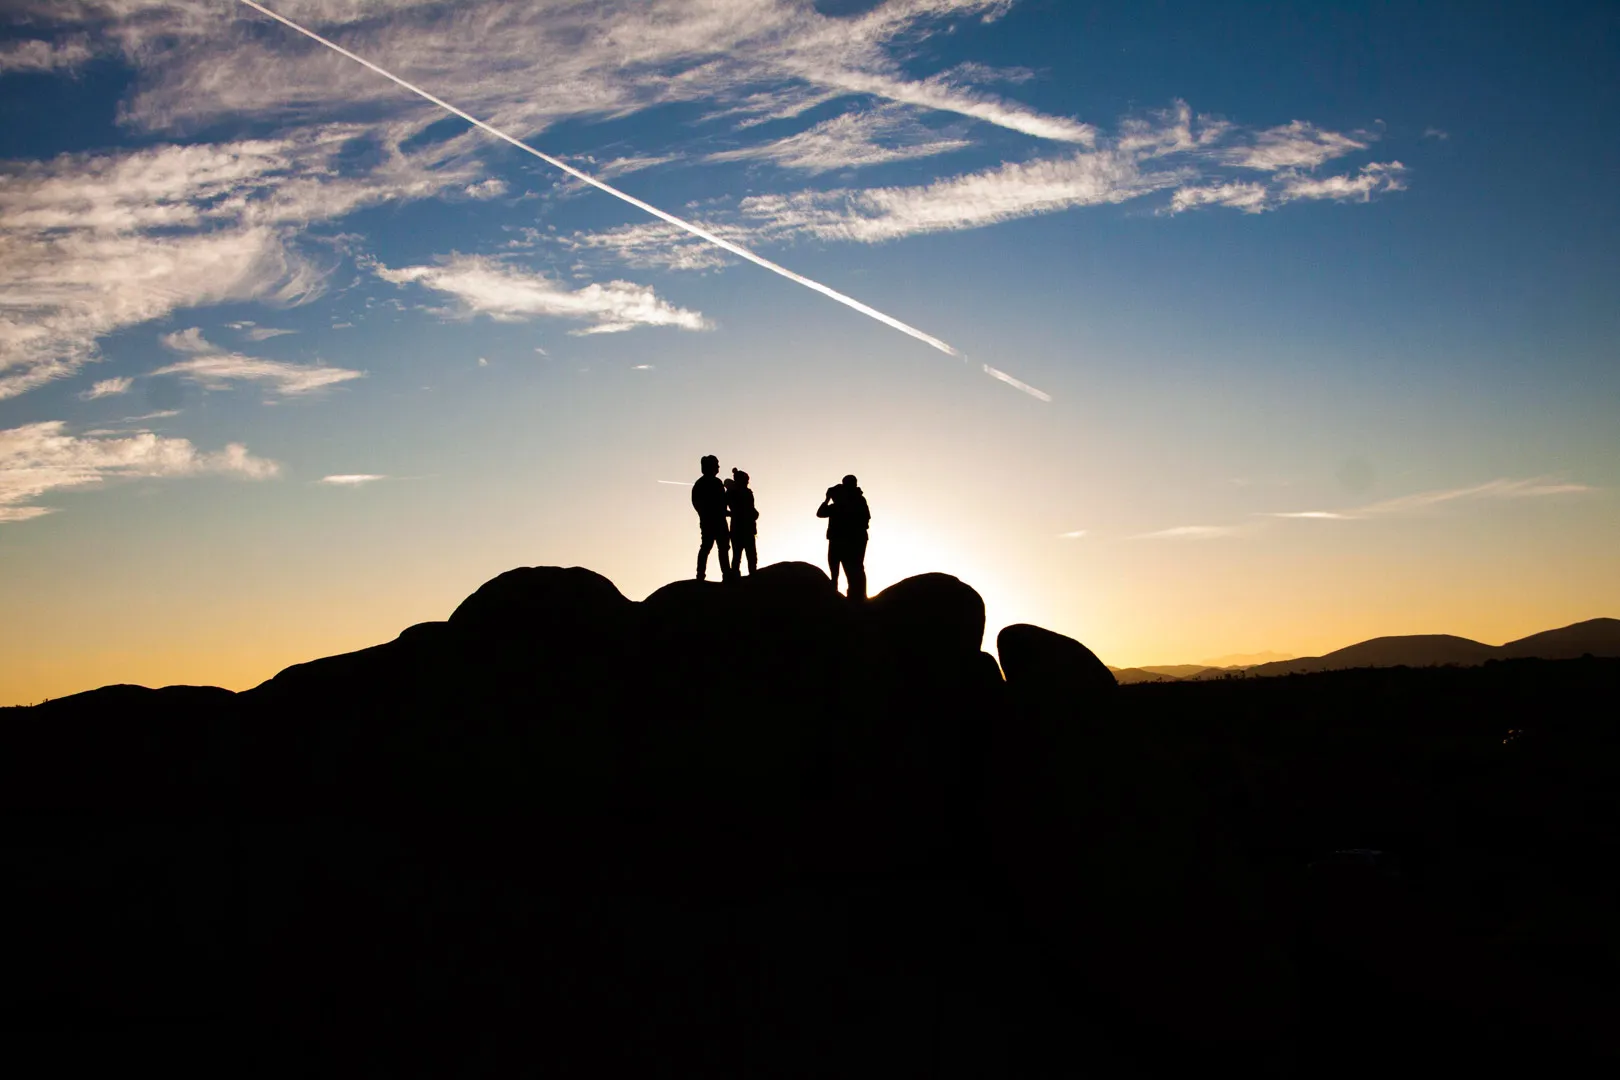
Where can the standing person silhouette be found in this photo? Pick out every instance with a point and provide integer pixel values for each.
(709, 500)
(847, 519)
(740, 500)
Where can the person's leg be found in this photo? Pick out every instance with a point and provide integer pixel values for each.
(753, 555)
(855, 568)
(724, 542)
(703, 556)
(736, 555)
(832, 563)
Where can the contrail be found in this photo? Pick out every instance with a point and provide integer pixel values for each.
(696, 230)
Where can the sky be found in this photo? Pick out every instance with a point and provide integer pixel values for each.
(1309, 312)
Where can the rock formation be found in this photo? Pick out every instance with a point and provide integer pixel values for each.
(744, 828)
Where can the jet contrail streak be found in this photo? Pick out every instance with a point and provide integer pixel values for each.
(696, 230)
(1016, 384)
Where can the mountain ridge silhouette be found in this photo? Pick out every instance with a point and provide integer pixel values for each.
(1596, 637)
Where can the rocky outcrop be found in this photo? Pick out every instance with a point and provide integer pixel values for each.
(564, 804)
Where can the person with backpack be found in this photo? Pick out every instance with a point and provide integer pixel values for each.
(848, 518)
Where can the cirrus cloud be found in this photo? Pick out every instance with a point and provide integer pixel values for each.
(486, 286)
(39, 458)
(216, 369)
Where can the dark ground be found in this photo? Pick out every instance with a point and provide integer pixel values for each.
(752, 831)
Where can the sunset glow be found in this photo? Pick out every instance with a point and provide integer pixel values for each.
(1281, 358)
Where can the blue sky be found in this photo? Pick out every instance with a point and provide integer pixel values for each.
(1350, 261)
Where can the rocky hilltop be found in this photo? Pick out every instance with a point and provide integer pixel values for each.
(734, 829)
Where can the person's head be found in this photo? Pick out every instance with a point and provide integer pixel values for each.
(849, 481)
(740, 477)
(710, 465)
(729, 483)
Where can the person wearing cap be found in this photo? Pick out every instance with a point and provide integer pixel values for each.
(847, 520)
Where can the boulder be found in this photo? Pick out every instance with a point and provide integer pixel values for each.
(1046, 667)
(554, 604)
(932, 614)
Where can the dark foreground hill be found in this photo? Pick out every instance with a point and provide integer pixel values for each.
(754, 830)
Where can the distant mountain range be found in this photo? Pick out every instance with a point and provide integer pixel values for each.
(1599, 637)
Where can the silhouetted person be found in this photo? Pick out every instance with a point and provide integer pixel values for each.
(847, 518)
(740, 499)
(709, 500)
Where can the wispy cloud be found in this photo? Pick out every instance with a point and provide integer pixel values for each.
(852, 140)
(656, 245)
(1013, 190)
(216, 369)
(1492, 490)
(40, 458)
(1505, 488)
(1075, 535)
(1249, 197)
(350, 479)
(265, 333)
(98, 242)
(42, 56)
(484, 286)
(1171, 149)
(1373, 179)
(1436, 133)
(1298, 145)
(527, 65)
(1192, 532)
(108, 388)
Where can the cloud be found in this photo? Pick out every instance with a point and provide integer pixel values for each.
(350, 479)
(40, 458)
(482, 362)
(1436, 133)
(1192, 532)
(620, 166)
(973, 200)
(1171, 149)
(943, 94)
(108, 388)
(1375, 178)
(44, 56)
(1251, 198)
(489, 188)
(1299, 145)
(529, 64)
(852, 140)
(94, 243)
(1504, 488)
(657, 245)
(265, 333)
(216, 369)
(484, 286)
(1075, 535)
